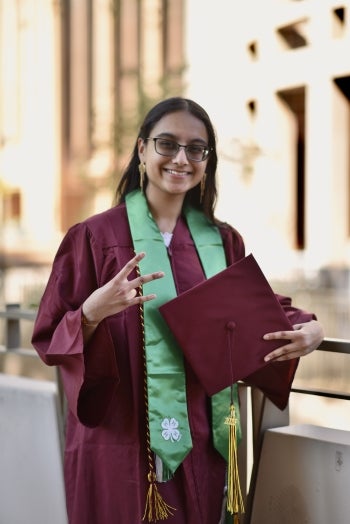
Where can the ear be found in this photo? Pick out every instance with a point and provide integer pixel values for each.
(141, 146)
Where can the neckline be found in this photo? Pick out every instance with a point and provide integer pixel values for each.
(167, 237)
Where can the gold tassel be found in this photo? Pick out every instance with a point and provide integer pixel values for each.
(235, 503)
(156, 508)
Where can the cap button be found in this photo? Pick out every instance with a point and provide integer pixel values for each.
(231, 325)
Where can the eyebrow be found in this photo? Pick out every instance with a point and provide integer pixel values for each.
(173, 137)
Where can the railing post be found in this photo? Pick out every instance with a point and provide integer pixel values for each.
(13, 332)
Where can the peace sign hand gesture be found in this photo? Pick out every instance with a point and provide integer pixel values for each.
(118, 294)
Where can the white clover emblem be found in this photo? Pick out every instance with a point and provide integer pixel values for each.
(170, 430)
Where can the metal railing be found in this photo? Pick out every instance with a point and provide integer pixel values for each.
(13, 316)
(264, 415)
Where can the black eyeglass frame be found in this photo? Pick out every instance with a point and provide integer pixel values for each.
(206, 149)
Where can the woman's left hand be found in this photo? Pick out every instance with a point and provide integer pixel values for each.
(303, 340)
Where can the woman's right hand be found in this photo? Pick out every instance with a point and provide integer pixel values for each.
(118, 294)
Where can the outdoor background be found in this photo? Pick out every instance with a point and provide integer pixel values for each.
(76, 78)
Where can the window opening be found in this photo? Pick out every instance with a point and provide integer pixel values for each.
(252, 107)
(338, 22)
(295, 100)
(253, 50)
(343, 83)
(294, 35)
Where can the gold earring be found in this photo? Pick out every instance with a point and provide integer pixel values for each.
(142, 171)
(202, 187)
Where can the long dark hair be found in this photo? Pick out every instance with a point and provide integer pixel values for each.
(131, 177)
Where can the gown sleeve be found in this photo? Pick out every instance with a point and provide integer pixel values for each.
(89, 374)
(295, 315)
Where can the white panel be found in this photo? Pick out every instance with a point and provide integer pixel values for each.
(303, 477)
(31, 476)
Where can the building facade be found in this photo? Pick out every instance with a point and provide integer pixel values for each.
(275, 76)
(77, 77)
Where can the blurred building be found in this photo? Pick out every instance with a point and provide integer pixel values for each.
(274, 75)
(75, 77)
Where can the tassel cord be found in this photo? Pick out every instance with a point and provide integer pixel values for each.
(156, 508)
(235, 504)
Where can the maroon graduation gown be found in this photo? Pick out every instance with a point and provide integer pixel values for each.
(105, 454)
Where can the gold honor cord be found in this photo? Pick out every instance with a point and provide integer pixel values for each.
(156, 508)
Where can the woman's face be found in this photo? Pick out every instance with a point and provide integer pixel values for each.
(177, 174)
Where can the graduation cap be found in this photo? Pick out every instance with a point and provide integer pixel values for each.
(219, 325)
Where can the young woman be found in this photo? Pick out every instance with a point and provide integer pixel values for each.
(123, 375)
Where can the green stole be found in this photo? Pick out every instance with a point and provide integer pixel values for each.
(170, 435)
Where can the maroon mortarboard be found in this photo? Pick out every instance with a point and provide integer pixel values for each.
(219, 325)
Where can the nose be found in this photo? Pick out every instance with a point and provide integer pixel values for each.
(180, 157)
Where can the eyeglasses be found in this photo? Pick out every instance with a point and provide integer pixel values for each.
(170, 148)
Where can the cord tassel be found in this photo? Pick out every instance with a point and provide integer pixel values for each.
(156, 509)
(235, 503)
